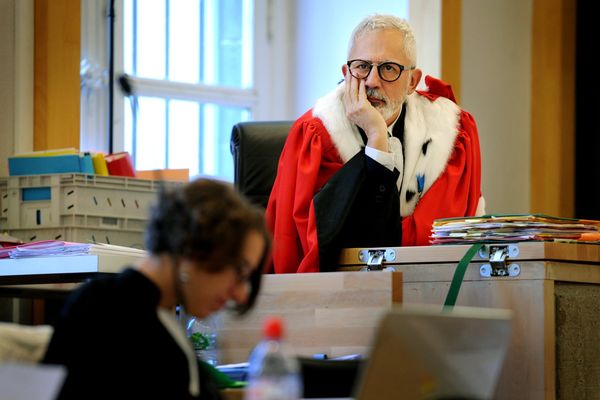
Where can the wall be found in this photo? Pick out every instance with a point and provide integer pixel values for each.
(16, 79)
(57, 39)
(553, 110)
(323, 30)
(425, 19)
(496, 89)
(23, 134)
(7, 87)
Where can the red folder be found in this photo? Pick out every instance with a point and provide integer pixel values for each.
(120, 164)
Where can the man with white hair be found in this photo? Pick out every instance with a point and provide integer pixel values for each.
(375, 161)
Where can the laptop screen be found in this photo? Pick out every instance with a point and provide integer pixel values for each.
(421, 352)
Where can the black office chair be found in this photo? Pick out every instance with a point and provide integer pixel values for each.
(256, 147)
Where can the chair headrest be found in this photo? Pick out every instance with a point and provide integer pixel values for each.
(256, 147)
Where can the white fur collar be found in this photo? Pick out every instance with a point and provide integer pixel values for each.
(430, 128)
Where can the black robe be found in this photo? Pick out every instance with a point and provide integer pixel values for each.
(359, 206)
(114, 346)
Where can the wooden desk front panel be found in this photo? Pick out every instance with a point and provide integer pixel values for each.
(331, 313)
(540, 364)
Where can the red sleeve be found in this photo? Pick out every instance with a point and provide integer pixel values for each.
(303, 168)
(455, 193)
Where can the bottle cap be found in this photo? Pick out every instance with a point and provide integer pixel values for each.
(273, 328)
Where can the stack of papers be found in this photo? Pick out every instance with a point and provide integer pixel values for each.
(44, 248)
(51, 248)
(513, 228)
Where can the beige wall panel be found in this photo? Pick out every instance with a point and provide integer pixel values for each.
(496, 89)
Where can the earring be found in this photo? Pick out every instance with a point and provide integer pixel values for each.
(183, 277)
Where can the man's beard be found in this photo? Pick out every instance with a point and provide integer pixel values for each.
(389, 108)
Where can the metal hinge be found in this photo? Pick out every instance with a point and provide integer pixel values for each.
(498, 260)
(376, 258)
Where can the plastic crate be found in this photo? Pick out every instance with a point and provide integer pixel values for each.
(59, 200)
(119, 237)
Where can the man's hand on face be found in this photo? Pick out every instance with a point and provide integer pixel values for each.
(361, 112)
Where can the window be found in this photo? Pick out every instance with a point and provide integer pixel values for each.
(190, 65)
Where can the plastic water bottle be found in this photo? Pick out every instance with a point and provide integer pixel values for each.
(203, 335)
(273, 371)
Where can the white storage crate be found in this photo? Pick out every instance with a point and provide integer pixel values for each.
(77, 206)
(44, 200)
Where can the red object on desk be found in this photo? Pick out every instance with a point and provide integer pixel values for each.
(120, 164)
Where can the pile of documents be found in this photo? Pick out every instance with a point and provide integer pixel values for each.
(44, 248)
(52, 248)
(513, 228)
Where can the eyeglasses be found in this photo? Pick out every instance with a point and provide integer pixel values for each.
(243, 271)
(388, 71)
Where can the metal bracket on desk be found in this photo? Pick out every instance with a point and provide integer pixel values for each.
(376, 258)
(497, 256)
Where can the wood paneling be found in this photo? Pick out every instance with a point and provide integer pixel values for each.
(7, 83)
(56, 87)
(451, 44)
(335, 313)
(553, 107)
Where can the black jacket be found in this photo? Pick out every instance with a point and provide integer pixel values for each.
(114, 346)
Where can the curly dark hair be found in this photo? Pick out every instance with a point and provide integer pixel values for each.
(206, 220)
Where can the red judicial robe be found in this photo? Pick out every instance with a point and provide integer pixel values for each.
(329, 195)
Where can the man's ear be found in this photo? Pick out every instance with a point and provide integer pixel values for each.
(415, 78)
(344, 70)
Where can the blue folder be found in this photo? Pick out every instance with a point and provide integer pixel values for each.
(75, 163)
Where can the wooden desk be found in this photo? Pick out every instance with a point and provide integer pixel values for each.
(45, 278)
(332, 313)
(59, 272)
(555, 348)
